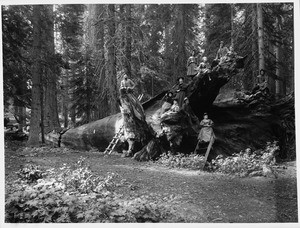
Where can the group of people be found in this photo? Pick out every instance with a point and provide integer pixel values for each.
(222, 55)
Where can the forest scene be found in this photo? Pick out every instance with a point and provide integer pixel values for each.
(160, 113)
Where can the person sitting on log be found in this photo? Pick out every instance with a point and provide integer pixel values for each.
(206, 133)
(221, 54)
(127, 85)
(174, 109)
(192, 65)
(167, 102)
(261, 86)
(180, 89)
(231, 53)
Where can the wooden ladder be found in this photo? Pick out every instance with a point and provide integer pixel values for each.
(114, 141)
(116, 138)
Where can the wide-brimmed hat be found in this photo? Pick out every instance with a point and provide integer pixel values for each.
(205, 114)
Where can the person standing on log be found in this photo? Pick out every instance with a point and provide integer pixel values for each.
(127, 84)
(180, 90)
(192, 65)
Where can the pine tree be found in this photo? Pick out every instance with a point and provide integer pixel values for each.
(16, 37)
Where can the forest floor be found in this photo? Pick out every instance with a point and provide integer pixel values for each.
(199, 196)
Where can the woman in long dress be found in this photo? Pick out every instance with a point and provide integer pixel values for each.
(206, 133)
(192, 66)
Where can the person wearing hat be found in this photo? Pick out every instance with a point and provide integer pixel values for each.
(180, 89)
(193, 119)
(127, 85)
(222, 51)
(192, 65)
(167, 102)
(206, 133)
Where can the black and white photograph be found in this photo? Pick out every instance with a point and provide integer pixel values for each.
(176, 113)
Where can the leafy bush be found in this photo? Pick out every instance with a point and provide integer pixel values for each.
(30, 173)
(245, 162)
(77, 195)
(192, 161)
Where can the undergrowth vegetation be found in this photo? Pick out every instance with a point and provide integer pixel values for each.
(245, 163)
(192, 161)
(75, 194)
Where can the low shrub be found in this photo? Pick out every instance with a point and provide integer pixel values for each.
(75, 194)
(245, 162)
(192, 161)
(30, 173)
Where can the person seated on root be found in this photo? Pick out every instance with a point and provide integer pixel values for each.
(206, 133)
(127, 85)
(174, 109)
(167, 102)
(231, 53)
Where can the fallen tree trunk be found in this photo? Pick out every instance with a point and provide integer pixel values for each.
(237, 125)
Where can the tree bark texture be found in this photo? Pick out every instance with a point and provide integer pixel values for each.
(128, 40)
(51, 120)
(36, 78)
(260, 32)
(100, 67)
(254, 45)
(111, 61)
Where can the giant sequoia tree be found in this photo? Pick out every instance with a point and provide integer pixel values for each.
(36, 78)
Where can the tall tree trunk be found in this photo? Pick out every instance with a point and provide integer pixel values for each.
(65, 98)
(232, 23)
(128, 40)
(278, 54)
(100, 67)
(180, 56)
(51, 110)
(36, 78)
(260, 29)
(253, 47)
(111, 61)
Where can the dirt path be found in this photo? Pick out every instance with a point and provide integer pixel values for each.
(199, 196)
